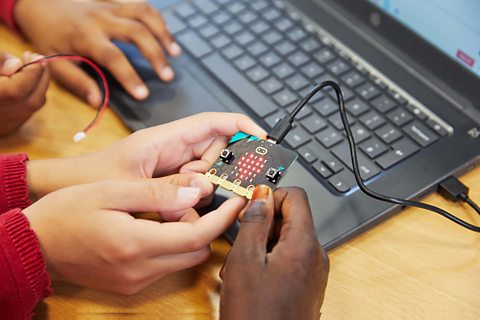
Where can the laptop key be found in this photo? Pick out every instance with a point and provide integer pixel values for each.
(258, 74)
(417, 112)
(314, 123)
(342, 181)
(271, 37)
(297, 137)
(221, 17)
(324, 56)
(336, 121)
(283, 24)
(420, 133)
(310, 44)
(383, 104)
(329, 137)
(232, 51)
(359, 133)
(285, 98)
(244, 38)
(285, 47)
(220, 41)
(259, 5)
(373, 147)
(372, 120)
(245, 62)
(271, 85)
(322, 169)
(437, 127)
(307, 154)
(247, 17)
(353, 78)
(271, 14)
(325, 107)
(269, 59)
(236, 7)
(283, 70)
(357, 107)
(194, 44)
(298, 58)
(368, 91)
(347, 93)
(257, 48)
(296, 34)
(235, 81)
(260, 27)
(397, 96)
(206, 6)
(332, 163)
(232, 27)
(272, 119)
(197, 21)
(209, 30)
(338, 67)
(185, 10)
(297, 82)
(400, 116)
(304, 112)
(388, 133)
(367, 168)
(313, 70)
(173, 23)
(401, 150)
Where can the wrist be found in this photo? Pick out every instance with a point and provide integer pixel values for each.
(46, 176)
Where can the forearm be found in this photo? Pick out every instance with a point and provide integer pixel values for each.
(46, 176)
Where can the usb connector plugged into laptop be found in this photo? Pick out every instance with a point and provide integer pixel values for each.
(454, 190)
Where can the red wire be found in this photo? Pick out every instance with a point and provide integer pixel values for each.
(103, 78)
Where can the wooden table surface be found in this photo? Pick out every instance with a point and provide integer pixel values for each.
(416, 265)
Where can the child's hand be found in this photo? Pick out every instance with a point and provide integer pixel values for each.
(188, 145)
(284, 282)
(89, 238)
(88, 28)
(21, 94)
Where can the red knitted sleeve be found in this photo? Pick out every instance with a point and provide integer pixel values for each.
(6, 13)
(24, 280)
(13, 182)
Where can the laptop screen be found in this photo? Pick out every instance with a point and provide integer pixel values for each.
(451, 26)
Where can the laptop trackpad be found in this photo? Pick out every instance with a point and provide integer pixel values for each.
(171, 101)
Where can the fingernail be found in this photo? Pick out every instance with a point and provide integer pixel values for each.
(175, 49)
(261, 193)
(141, 92)
(166, 73)
(187, 193)
(198, 182)
(11, 65)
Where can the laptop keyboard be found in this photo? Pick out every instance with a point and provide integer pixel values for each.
(270, 59)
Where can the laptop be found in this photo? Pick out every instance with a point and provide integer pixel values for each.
(409, 70)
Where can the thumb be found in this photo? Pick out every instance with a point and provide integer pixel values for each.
(255, 225)
(9, 64)
(147, 195)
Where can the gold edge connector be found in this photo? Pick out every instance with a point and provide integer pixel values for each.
(230, 186)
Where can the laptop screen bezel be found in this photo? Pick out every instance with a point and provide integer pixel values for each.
(437, 62)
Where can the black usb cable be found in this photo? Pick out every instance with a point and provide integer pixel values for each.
(449, 187)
